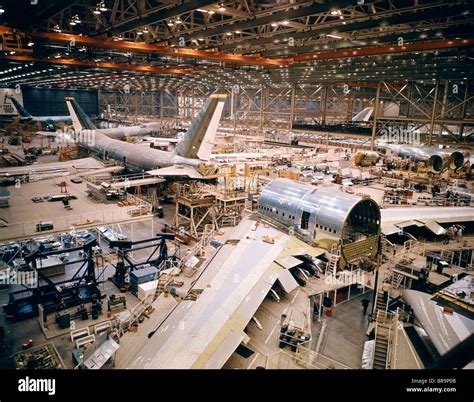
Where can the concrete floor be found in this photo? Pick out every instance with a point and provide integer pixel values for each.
(345, 334)
(18, 333)
(23, 214)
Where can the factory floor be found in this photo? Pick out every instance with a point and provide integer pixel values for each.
(23, 214)
(345, 334)
(18, 333)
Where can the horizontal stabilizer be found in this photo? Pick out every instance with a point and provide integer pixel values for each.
(176, 170)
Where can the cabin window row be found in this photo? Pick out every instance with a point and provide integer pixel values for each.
(276, 212)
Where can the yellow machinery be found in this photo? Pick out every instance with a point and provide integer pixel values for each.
(67, 153)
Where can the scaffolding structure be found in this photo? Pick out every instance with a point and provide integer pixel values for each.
(199, 206)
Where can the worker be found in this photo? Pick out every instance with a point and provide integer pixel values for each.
(371, 334)
(459, 234)
(365, 305)
(386, 290)
(448, 235)
(316, 309)
(126, 281)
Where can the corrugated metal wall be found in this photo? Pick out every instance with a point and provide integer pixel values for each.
(50, 102)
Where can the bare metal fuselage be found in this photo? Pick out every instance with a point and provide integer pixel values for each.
(136, 157)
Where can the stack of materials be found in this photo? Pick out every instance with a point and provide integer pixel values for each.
(141, 276)
(146, 288)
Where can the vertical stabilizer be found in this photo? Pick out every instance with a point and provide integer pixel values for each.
(80, 120)
(21, 110)
(199, 139)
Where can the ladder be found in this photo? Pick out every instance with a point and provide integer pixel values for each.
(332, 265)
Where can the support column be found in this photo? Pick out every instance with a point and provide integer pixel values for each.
(376, 112)
(463, 110)
(433, 114)
(350, 107)
(262, 102)
(444, 104)
(161, 107)
(324, 105)
(292, 107)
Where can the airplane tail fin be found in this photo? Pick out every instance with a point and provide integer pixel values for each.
(21, 110)
(198, 140)
(80, 120)
(363, 115)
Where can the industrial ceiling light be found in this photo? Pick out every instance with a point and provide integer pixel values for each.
(30, 43)
(285, 22)
(170, 23)
(2, 10)
(102, 6)
(221, 7)
(178, 21)
(211, 12)
(96, 11)
(145, 30)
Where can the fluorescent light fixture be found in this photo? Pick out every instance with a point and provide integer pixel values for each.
(334, 36)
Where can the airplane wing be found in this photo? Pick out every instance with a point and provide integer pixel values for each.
(204, 333)
(177, 170)
(54, 134)
(444, 330)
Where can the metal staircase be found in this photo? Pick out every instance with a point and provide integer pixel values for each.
(380, 303)
(396, 280)
(381, 351)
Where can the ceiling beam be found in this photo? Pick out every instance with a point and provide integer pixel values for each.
(352, 26)
(141, 47)
(388, 49)
(317, 8)
(106, 66)
(185, 7)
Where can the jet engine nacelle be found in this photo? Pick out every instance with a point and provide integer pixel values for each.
(457, 159)
(366, 158)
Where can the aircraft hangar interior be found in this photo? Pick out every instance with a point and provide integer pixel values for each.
(246, 184)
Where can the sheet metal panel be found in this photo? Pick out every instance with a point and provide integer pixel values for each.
(287, 281)
(444, 331)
